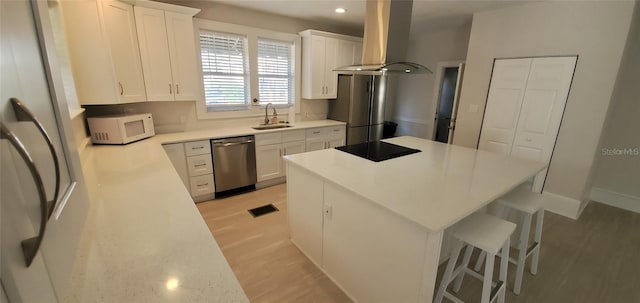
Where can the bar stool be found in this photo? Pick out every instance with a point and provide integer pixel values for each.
(490, 234)
(529, 203)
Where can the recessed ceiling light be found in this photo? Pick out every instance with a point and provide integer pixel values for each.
(341, 10)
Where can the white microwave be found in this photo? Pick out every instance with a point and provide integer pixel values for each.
(120, 129)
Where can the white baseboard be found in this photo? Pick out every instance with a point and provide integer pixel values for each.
(615, 199)
(562, 205)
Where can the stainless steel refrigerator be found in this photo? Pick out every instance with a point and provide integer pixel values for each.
(360, 103)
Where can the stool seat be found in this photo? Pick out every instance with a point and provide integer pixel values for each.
(523, 199)
(491, 235)
(485, 232)
(529, 203)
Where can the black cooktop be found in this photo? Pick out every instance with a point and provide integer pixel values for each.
(377, 150)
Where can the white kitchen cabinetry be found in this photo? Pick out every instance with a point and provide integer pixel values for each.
(167, 49)
(323, 52)
(103, 50)
(192, 161)
(271, 147)
(325, 137)
(304, 204)
(349, 237)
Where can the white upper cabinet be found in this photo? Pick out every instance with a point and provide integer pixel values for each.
(322, 53)
(103, 49)
(119, 23)
(167, 49)
(182, 49)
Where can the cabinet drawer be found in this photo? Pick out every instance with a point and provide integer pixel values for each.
(270, 138)
(314, 133)
(197, 148)
(199, 165)
(293, 135)
(202, 185)
(335, 131)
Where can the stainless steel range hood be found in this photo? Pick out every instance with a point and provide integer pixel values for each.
(386, 37)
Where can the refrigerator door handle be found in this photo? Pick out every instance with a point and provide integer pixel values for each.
(29, 246)
(24, 114)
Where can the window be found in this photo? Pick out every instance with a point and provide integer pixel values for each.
(244, 68)
(224, 70)
(275, 72)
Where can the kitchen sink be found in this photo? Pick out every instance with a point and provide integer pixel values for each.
(263, 127)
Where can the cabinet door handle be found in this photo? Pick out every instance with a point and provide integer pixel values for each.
(177, 89)
(29, 246)
(170, 89)
(199, 165)
(24, 114)
(121, 88)
(202, 185)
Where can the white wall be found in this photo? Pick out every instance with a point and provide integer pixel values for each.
(413, 106)
(596, 32)
(617, 175)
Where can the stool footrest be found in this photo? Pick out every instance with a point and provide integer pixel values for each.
(532, 247)
(495, 291)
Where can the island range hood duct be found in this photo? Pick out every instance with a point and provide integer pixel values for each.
(386, 37)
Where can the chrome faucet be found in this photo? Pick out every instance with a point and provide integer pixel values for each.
(266, 113)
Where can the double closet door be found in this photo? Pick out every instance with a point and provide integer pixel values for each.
(525, 105)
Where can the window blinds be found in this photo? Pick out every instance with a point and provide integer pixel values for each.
(275, 71)
(224, 68)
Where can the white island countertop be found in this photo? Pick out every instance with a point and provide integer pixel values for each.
(434, 188)
(144, 239)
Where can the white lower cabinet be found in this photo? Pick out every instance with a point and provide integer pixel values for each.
(373, 254)
(325, 137)
(270, 148)
(304, 204)
(192, 161)
(269, 161)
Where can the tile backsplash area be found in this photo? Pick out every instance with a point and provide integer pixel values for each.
(181, 116)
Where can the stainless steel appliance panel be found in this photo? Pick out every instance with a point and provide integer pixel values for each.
(234, 162)
(378, 96)
(357, 134)
(375, 132)
(360, 103)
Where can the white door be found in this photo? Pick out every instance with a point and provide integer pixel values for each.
(526, 102)
(182, 48)
(317, 66)
(456, 99)
(154, 51)
(120, 28)
(330, 63)
(269, 161)
(508, 84)
(542, 108)
(32, 77)
(316, 143)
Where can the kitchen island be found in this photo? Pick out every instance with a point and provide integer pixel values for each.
(376, 228)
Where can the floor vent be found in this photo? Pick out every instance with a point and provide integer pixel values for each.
(262, 210)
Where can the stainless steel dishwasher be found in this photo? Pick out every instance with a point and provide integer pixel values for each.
(234, 162)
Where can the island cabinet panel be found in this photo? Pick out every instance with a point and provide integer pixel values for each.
(374, 255)
(304, 203)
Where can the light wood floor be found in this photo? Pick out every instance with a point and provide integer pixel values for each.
(594, 259)
(268, 266)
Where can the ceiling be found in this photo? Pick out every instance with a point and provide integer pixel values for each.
(427, 14)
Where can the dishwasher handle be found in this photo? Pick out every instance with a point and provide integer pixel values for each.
(225, 144)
